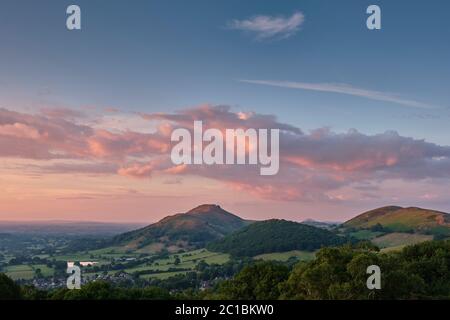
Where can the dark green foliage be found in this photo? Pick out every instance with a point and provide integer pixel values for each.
(430, 261)
(31, 293)
(259, 281)
(418, 272)
(275, 236)
(101, 290)
(366, 244)
(8, 289)
(378, 228)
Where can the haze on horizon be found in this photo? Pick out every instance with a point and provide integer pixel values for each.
(86, 116)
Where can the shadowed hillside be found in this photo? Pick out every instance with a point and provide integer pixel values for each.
(210, 225)
(275, 236)
(194, 228)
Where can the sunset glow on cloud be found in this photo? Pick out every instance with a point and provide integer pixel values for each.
(87, 116)
(316, 167)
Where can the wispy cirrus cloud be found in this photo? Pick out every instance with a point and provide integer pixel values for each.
(269, 27)
(346, 89)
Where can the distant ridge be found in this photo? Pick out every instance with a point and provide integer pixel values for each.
(211, 226)
(401, 219)
(61, 227)
(328, 225)
(193, 229)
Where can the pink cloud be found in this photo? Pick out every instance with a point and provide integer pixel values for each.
(19, 130)
(64, 113)
(177, 169)
(313, 165)
(62, 138)
(221, 117)
(137, 170)
(354, 151)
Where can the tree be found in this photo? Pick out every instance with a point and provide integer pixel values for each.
(38, 273)
(31, 293)
(98, 290)
(154, 293)
(201, 266)
(419, 271)
(259, 281)
(8, 289)
(378, 228)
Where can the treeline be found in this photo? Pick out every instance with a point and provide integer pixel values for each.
(417, 272)
(99, 290)
(181, 286)
(275, 236)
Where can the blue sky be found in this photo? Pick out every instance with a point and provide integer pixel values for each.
(312, 64)
(166, 55)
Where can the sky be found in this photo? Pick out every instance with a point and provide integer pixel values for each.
(86, 115)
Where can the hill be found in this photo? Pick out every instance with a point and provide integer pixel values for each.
(275, 236)
(328, 225)
(192, 229)
(398, 219)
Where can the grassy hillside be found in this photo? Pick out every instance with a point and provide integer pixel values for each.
(285, 256)
(275, 236)
(397, 239)
(398, 219)
(19, 272)
(192, 229)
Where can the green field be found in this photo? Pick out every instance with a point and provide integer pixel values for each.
(188, 260)
(20, 272)
(102, 256)
(45, 271)
(284, 256)
(398, 239)
(27, 272)
(365, 234)
(162, 276)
